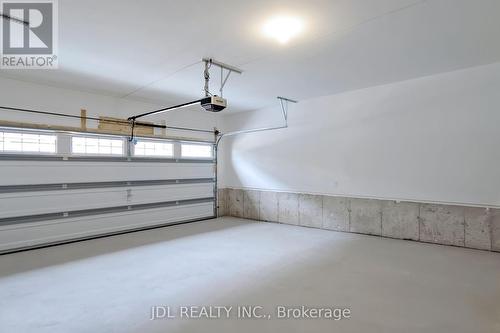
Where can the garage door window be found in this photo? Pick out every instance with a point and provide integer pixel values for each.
(196, 151)
(15, 142)
(96, 146)
(154, 149)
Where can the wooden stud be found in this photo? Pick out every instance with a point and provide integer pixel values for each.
(83, 120)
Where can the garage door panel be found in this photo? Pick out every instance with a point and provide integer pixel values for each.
(43, 202)
(21, 236)
(38, 172)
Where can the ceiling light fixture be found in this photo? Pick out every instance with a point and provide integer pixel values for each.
(283, 28)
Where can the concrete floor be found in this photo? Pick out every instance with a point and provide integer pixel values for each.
(110, 284)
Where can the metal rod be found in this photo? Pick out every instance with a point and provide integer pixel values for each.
(223, 83)
(206, 76)
(285, 112)
(138, 123)
(253, 130)
(284, 109)
(190, 129)
(169, 109)
(164, 110)
(287, 99)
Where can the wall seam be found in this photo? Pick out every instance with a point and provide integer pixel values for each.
(349, 211)
(298, 210)
(419, 219)
(491, 218)
(322, 210)
(465, 234)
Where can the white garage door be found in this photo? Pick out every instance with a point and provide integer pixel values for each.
(59, 187)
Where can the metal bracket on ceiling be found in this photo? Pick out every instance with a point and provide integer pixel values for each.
(223, 79)
(284, 107)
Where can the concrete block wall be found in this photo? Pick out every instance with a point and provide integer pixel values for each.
(471, 227)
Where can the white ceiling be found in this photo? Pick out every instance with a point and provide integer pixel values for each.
(151, 50)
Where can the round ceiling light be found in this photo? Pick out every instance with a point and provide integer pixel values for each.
(283, 28)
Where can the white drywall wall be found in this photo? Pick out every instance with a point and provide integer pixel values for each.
(435, 138)
(20, 94)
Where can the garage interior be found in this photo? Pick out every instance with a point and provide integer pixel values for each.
(250, 166)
